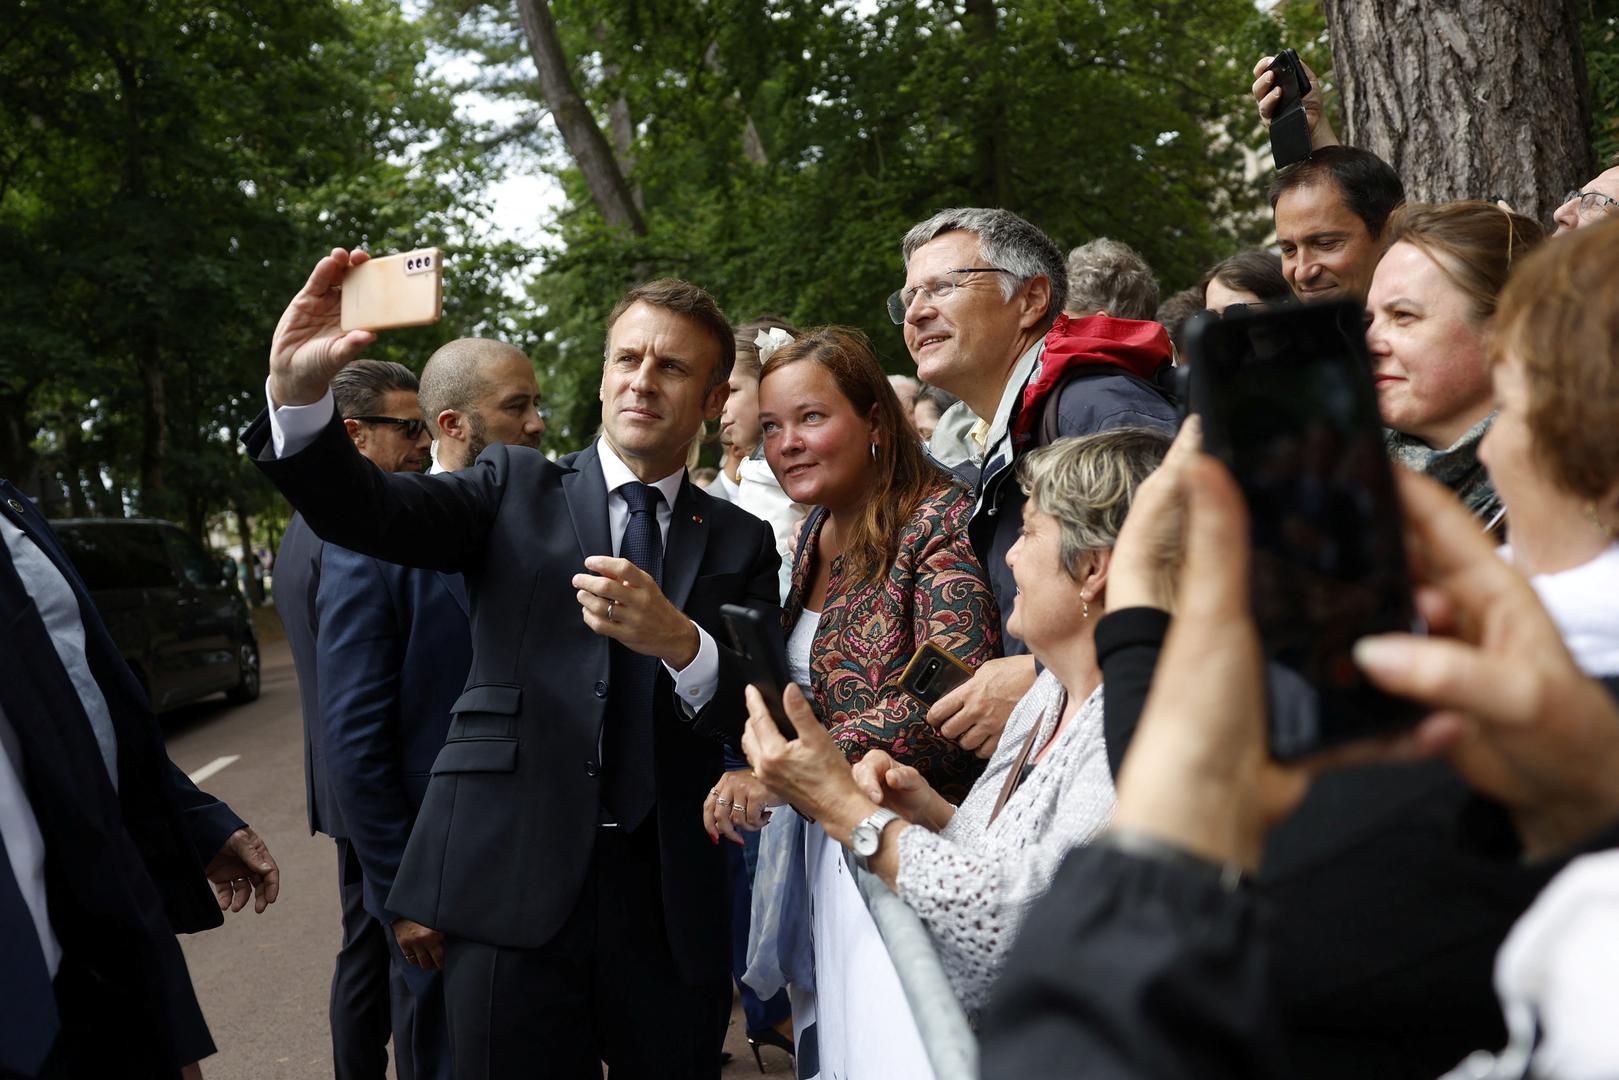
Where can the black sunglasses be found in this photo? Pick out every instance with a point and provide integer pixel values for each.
(412, 428)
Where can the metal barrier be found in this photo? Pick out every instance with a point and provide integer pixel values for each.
(940, 1020)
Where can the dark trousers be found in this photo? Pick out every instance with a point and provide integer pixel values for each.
(361, 1005)
(421, 1035)
(605, 989)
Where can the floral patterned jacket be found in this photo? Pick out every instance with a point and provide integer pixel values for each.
(934, 591)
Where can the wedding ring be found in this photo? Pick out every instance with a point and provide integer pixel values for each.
(610, 605)
(722, 801)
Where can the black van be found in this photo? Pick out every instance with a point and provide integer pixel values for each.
(173, 608)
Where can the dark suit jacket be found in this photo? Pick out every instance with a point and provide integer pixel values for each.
(505, 835)
(123, 869)
(393, 656)
(297, 578)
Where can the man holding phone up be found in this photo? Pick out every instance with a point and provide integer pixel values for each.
(558, 847)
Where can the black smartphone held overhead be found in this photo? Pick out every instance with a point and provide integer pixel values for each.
(932, 673)
(1289, 126)
(1287, 403)
(764, 659)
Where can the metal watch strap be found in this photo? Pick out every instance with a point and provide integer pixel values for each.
(879, 820)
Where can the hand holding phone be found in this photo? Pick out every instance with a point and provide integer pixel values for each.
(932, 673)
(1286, 401)
(764, 659)
(396, 291)
(1289, 123)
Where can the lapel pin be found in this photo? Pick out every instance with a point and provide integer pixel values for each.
(697, 519)
(16, 507)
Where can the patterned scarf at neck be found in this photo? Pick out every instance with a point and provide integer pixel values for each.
(1457, 467)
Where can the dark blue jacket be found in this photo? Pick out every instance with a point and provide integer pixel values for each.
(297, 577)
(393, 656)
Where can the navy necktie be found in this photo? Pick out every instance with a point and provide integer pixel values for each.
(631, 784)
(28, 1022)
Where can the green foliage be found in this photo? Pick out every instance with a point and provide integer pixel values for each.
(1125, 119)
(1600, 34)
(169, 171)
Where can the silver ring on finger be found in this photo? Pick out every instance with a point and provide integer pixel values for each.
(722, 801)
(738, 808)
(611, 604)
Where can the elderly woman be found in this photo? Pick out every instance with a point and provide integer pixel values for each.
(971, 871)
(1553, 451)
(1431, 297)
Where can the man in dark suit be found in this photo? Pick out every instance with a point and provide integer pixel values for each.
(378, 403)
(558, 847)
(394, 649)
(103, 842)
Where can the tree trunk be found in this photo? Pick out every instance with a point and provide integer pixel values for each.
(1467, 99)
(991, 177)
(580, 132)
(254, 583)
(154, 421)
(620, 121)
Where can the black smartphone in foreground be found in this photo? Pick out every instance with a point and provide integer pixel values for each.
(1287, 403)
(764, 659)
(1289, 126)
(932, 673)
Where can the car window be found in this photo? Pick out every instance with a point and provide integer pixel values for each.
(196, 565)
(117, 556)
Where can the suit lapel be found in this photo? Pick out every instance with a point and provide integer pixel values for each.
(456, 586)
(586, 491)
(683, 554)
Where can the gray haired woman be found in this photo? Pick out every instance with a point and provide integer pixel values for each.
(971, 872)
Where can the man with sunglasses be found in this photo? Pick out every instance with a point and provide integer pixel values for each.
(378, 403)
(982, 290)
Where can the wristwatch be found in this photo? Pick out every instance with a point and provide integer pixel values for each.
(867, 836)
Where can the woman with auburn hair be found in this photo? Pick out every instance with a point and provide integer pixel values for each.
(882, 565)
(1431, 297)
(1553, 451)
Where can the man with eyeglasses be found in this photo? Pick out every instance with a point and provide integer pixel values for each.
(982, 289)
(1597, 201)
(380, 410)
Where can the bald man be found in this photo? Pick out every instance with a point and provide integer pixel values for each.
(477, 392)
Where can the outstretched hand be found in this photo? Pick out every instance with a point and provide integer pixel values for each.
(243, 869)
(1513, 713)
(310, 346)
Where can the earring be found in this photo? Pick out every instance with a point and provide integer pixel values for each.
(1085, 612)
(1596, 519)
(874, 451)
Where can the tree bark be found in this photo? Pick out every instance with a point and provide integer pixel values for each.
(580, 132)
(1467, 99)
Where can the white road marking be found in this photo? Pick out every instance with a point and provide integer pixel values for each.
(214, 766)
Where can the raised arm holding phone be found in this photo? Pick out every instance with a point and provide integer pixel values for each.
(555, 847)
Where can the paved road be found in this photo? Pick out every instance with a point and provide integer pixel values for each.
(263, 980)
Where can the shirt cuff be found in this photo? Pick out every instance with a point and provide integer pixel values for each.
(293, 427)
(696, 683)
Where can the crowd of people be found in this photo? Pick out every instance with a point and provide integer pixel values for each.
(568, 829)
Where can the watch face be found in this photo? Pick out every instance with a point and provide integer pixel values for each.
(865, 839)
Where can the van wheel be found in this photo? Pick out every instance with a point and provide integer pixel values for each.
(247, 657)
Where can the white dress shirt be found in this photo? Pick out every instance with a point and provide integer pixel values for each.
(293, 427)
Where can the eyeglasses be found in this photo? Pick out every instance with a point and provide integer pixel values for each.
(1591, 204)
(937, 289)
(412, 428)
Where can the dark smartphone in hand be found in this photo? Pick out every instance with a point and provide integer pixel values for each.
(1287, 402)
(764, 659)
(932, 673)
(1289, 126)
